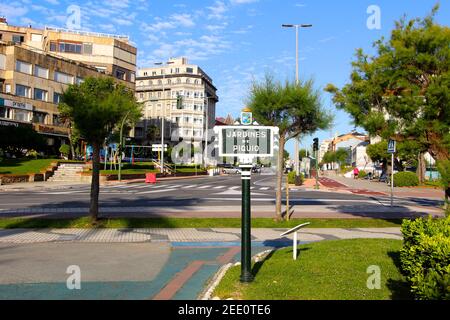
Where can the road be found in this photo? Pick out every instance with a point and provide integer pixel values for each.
(218, 196)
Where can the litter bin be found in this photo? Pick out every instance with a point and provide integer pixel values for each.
(150, 177)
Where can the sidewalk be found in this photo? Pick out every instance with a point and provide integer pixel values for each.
(164, 210)
(189, 236)
(355, 185)
(58, 185)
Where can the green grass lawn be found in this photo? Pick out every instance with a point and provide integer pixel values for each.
(9, 223)
(326, 270)
(24, 166)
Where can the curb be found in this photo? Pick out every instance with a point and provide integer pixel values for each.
(218, 276)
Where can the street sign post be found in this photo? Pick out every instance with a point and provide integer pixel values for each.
(246, 141)
(392, 148)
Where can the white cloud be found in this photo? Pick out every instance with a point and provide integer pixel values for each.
(12, 10)
(217, 11)
(54, 2)
(243, 1)
(184, 20)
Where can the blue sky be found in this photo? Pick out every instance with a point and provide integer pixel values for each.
(238, 41)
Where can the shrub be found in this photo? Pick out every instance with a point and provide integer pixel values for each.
(405, 179)
(65, 150)
(425, 257)
(292, 178)
(362, 174)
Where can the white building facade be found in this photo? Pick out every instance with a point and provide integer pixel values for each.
(180, 93)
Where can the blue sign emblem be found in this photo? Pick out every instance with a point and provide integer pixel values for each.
(246, 118)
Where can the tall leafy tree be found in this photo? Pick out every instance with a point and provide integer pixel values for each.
(402, 91)
(95, 108)
(295, 109)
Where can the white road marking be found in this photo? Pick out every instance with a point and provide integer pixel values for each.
(189, 186)
(155, 191)
(219, 187)
(204, 187)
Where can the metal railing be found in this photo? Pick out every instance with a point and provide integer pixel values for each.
(88, 33)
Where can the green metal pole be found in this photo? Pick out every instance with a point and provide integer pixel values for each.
(246, 245)
(317, 170)
(120, 152)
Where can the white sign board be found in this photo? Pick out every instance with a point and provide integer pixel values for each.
(392, 146)
(245, 141)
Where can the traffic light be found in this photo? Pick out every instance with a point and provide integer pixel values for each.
(316, 144)
(179, 102)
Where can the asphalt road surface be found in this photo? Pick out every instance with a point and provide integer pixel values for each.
(212, 194)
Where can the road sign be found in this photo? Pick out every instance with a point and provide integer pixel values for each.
(242, 141)
(157, 147)
(246, 118)
(392, 146)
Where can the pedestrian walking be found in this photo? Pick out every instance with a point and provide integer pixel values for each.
(355, 173)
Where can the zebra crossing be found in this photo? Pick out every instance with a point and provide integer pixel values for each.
(157, 188)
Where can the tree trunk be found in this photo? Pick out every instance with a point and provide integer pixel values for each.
(95, 184)
(72, 149)
(421, 168)
(280, 175)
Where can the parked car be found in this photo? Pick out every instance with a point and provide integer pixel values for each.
(256, 169)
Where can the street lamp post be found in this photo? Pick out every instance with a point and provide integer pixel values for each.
(120, 144)
(296, 145)
(205, 156)
(163, 113)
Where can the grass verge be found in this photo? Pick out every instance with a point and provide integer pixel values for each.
(84, 222)
(25, 166)
(326, 270)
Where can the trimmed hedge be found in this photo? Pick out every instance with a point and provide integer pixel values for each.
(425, 257)
(405, 179)
(292, 177)
(362, 174)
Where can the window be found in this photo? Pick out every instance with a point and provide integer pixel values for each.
(40, 94)
(56, 120)
(87, 48)
(101, 69)
(189, 70)
(39, 117)
(22, 66)
(21, 115)
(63, 78)
(79, 80)
(40, 72)
(2, 61)
(69, 47)
(132, 77)
(154, 73)
(53, 46)
(56, 97)
(121, 75)
(188, 80)
(160, 82)
(169, 81)
(22, 91)
(177, 70)
(196, 81)
(17, 38)
(3, 112)
(145, 73)
(7, 88)
(178, 80)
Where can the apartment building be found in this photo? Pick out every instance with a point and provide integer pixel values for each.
(37, 65)
(31, 85)
(180, 93)
(109, 54)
